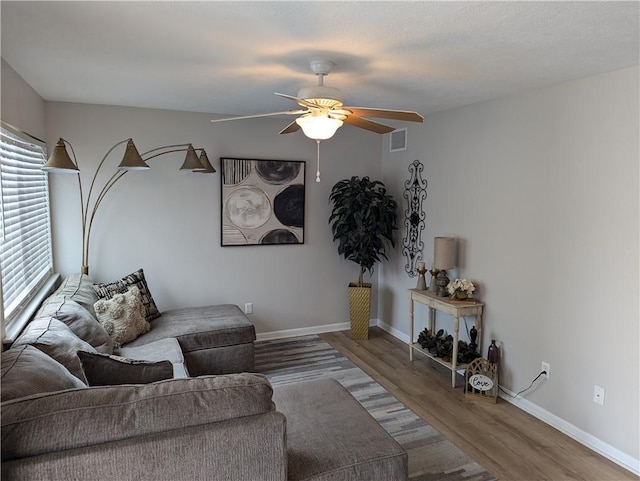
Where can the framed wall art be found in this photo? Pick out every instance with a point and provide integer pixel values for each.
(262, 202)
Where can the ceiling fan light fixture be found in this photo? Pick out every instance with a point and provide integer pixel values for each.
(319, 127)
(321, 95)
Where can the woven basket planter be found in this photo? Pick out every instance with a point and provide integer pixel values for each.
(359, 310)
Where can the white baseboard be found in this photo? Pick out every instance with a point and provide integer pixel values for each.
(393, 331)
(590, 441)
(303, 331)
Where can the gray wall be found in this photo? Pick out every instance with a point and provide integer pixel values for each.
(542, 191)
(22, 107)
(540, 188)
(168, 222)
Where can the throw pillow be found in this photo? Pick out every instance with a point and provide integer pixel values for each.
(108, 290)
(109, 370)
(27, 370)
(122, 316)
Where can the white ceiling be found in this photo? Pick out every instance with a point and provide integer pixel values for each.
(230, 57)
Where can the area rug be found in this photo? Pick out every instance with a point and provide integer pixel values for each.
(431, 455)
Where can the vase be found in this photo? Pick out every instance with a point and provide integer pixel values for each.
(460, 295)
(493, 354)
(359, 310)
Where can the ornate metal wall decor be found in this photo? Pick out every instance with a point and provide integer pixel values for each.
(415, 193)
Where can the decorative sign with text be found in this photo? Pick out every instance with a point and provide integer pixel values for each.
(481, 381)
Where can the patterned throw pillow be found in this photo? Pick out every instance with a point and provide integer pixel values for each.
(122, 316)
(109, 370)
(108, 290)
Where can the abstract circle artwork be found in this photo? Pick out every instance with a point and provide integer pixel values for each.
(277, 172)
(262, 202)
(279, 236)
(288, 206)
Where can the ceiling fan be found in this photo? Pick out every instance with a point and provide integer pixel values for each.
(324, 112)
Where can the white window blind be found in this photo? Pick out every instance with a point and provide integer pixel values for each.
(25, 229)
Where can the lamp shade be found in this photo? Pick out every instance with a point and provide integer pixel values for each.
(132, 159)
(206, 167)
(60, 160)
(191, 161)
(444, 253)
(319, 127)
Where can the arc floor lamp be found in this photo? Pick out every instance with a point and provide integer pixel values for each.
(132, 160)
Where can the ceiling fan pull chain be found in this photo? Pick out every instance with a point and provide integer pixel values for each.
(318, 164)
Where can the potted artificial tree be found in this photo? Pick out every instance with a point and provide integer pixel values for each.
(363, 219)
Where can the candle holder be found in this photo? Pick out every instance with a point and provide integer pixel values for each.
(422, 283)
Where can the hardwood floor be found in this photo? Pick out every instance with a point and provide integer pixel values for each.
(508, 442)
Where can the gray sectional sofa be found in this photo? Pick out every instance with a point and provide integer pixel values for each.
(210, 417)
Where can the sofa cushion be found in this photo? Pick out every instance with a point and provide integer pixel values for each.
(79, 287)
(80, 321)
(122, 316)
(54, 421)
(347, 442)
(109, 289)
(109, 370)
(27, 370)
(205, 327)
(55, 339)
(160, 350)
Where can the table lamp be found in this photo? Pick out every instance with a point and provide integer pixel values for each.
(444, 257)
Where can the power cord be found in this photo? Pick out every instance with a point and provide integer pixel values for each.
(542, 373)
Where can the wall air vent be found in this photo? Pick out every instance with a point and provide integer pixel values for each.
(398, 140)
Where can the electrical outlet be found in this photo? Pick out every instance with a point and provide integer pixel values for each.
(546, 367)
(598, 395)
(248, 308)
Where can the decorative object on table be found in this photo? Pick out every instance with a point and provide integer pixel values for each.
(441, 345)
(61, 162)
(481, 381)
(444, 257)
(323, 112)
(262, 202)
(473, 335)
(415, 193)
(363, 220)
(460, 289)
(442, 281)
(493, 353)
(433, 285)
(422, 283)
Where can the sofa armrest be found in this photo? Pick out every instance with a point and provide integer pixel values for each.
(76, 418)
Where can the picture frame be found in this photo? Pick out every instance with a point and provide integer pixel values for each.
(262, 202)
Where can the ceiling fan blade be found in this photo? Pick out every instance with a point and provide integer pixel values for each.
(300, 101)
(368, 125)
(405, 115)
(292, 127)
(240, 117)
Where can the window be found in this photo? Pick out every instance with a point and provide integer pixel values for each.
(25, 229)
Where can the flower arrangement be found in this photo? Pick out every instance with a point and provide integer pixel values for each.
(460, 288)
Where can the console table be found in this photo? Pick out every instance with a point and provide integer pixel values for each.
(443, 304)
